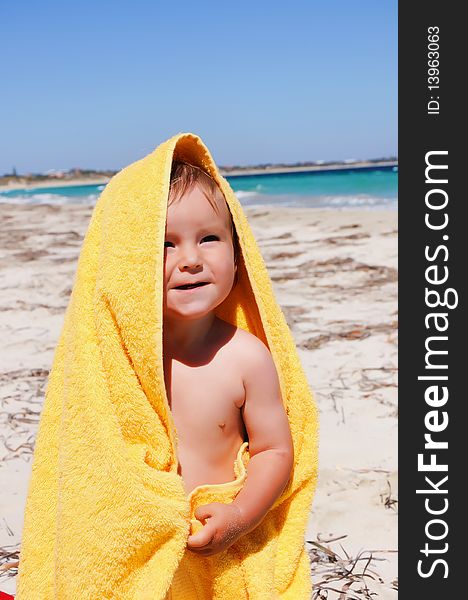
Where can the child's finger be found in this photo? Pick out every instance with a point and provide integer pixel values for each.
(204, 511)
(202, 538)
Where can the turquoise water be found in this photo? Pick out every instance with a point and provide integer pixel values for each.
(369, 187)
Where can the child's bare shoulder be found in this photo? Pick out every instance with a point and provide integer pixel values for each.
(251, 351)
(263, 411)
(248, 341)
(248, 355)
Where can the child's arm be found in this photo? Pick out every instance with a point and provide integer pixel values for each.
(271, 457)
(270, 442)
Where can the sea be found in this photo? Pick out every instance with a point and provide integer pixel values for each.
(364, 187)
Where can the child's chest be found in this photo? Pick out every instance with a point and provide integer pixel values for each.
(205, 401)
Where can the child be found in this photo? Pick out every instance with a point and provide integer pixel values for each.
(164, 463)
(221, 380)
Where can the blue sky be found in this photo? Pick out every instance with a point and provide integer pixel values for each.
(99, 84)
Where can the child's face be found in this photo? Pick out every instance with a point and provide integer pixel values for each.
(198, 248)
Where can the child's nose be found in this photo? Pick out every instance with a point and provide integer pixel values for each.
(189, 260)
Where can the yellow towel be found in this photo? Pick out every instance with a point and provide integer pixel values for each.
(106, 514)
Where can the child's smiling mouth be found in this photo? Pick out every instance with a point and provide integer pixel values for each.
(191, 286)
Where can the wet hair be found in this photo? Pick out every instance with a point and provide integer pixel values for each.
(183, 177)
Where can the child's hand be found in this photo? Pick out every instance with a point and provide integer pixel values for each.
(224, 526)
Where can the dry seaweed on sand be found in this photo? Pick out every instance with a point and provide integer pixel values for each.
(344, 576)
(9, 561)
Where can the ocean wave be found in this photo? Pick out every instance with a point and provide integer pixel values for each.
(245, 197)
(358, 201)
(48, 198)
(328, 201)
(241, 194)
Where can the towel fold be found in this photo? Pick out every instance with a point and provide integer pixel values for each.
(107, 515)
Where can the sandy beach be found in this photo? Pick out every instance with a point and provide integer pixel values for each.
(335, 277)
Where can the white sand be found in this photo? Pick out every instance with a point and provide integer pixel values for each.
(334, 273)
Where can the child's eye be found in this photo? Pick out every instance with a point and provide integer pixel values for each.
(166, 244)
(211, 238)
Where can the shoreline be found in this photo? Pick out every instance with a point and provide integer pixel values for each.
(351, 211)
(39, 185)
(54, 183)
